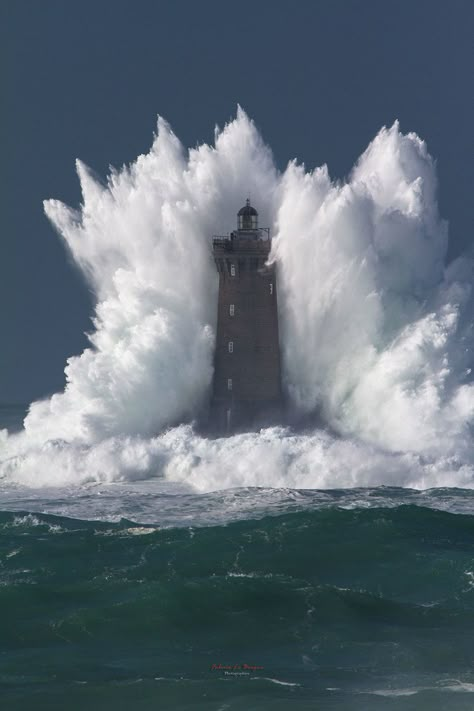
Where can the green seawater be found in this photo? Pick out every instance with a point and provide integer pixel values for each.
(325, 608)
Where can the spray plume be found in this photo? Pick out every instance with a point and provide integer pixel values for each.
(376, 334)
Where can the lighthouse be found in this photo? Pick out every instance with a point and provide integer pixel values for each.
(247, 380)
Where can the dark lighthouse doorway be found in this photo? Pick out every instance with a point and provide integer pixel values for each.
(247, 381)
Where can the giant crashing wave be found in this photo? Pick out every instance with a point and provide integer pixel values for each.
(376, 333)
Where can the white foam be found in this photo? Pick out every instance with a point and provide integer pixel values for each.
(376, 335)
(275, 681)
(395, 692)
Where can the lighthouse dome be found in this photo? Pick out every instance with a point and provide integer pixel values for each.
(247, 217)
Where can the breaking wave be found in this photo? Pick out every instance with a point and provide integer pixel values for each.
(376, 332)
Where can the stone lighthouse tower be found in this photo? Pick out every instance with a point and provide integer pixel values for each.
(246, 388)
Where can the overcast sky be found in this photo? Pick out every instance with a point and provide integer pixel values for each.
(87, 79)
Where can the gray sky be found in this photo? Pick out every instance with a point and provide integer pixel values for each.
(87, 79)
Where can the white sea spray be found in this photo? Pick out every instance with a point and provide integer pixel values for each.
(376, 332)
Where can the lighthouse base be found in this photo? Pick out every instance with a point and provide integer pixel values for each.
(243, 416)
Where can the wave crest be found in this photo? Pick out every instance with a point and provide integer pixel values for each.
(376, 335)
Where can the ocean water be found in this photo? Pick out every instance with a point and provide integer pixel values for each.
(119, 597)
(148, 595)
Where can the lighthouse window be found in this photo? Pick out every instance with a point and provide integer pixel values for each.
(232, 269)
(271, 288)
(231, 346)
(231, 310)
(229, 383)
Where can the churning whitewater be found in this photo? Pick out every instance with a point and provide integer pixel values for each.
(376, 331)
